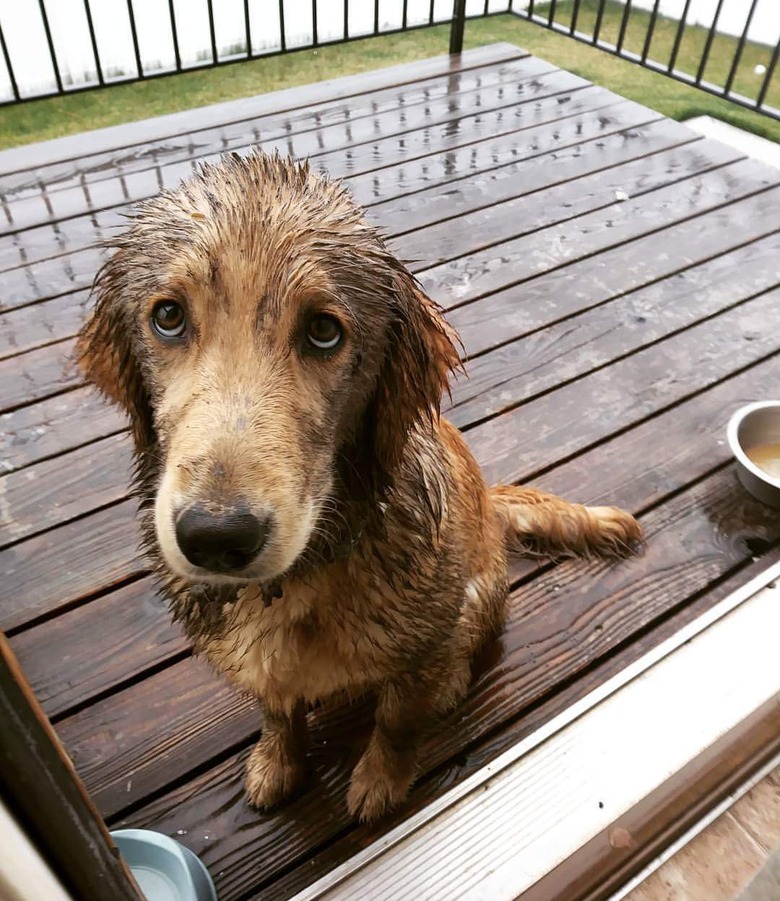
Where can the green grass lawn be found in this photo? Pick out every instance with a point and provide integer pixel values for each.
(42, 119)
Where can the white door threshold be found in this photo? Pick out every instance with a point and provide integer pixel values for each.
(511, 827)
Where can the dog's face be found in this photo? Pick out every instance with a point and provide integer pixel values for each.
(255, 329)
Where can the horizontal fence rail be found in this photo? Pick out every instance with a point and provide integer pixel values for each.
(729, 48)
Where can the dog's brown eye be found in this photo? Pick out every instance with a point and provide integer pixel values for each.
(324, 332)
(169, 319)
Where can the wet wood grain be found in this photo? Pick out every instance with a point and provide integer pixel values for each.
(477, 68)
(526, 78)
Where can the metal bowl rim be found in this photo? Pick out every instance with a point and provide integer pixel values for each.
(732, 432)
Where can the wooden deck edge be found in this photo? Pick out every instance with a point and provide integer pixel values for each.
(114, 137)
(584, 803)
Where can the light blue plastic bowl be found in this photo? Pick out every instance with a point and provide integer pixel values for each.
(164, 869)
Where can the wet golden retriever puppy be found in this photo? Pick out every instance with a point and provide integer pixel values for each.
(320, 530)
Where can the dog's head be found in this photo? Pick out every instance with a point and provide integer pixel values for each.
(270, 353)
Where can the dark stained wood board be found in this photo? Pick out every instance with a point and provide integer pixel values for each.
(593, 326)
(55, 239)
(70, 272)
(532, 81)
(313, 105)
(318, 130)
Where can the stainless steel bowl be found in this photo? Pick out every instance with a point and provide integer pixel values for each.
(752, 427)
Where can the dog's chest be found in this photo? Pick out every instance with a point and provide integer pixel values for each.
(301, 647)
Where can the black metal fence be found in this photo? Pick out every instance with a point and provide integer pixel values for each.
(732, 54)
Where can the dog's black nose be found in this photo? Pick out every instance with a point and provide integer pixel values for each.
(221, 542)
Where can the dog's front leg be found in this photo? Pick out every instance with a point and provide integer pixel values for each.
(385, 772)
(276, 766)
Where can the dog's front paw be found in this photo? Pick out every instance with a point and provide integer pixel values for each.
(272, 773)
(380, 781)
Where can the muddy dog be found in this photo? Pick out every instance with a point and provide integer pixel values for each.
(320, 530)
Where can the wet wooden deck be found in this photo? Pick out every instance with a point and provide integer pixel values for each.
(608, 342)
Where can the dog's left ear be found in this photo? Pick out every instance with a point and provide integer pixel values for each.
(422, 353)
(106, 356)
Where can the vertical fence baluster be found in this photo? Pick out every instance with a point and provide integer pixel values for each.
(770, 71)
(174, 35)
(134, 35)
(457, 26)
(282, 35)
(346, 20)
(9, 67)
(650, 31)
(93, 41)
(740, 48)
(623, 26)
(678, 37)
(708, 44)
(551, 14)
(50, 42)
(575, 14)
(314, 28)
(599, 20)
(212, 33)
(247, 30)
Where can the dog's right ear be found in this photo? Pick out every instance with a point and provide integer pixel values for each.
(106, 356)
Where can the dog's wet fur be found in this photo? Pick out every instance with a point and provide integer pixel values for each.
(362, 550)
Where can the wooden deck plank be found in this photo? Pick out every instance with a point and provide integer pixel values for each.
(92, 650)
(543, 143)
(52, 571)
(566, 350)
(62, 677)
(49, 427)
(88, 169)
(640, 262)
(65, 487)
(560, 623)
(429, 122)
(70, 272)
(486, 271)
(36, 325)
(161, 128)
(592, 408)
(666, 163)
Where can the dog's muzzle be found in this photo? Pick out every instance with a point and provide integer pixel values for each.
(222, 541)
